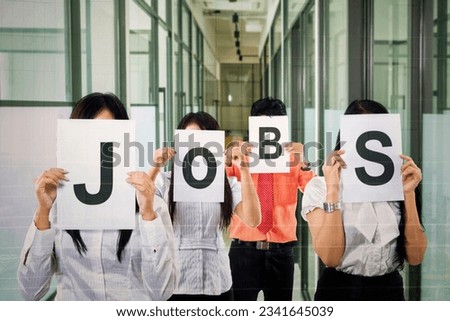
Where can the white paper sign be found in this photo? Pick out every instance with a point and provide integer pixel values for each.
(372, 148)
(199, 167)
(267, 135)
(96, 196)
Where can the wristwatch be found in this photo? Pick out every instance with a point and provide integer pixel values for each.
(331, 207)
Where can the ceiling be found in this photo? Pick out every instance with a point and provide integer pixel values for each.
(252, 15)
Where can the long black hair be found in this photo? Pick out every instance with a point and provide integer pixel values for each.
(206, 122)
(372, 107)
(89, 107)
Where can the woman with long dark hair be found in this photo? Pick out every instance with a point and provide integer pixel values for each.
(99, 264)
(200, 251)
(363, 245)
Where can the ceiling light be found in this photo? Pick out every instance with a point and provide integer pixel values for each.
(235, 18)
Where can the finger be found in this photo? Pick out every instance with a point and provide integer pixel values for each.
(146, 184)
(411, 171)
(236, 151)
(408, 159)
(410, 165)
(139, 187)
(48, 178)
(137, 174)
(169, 152)
(47, 181)
(405, 157)
(57, 175)
(337, 160)
(56, 169)
(138, 180)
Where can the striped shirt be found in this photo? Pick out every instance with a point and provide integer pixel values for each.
(199, 245)
(147, 270)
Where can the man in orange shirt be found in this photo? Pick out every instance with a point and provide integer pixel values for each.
(262, 258)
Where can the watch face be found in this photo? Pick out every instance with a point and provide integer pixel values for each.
(331, 207)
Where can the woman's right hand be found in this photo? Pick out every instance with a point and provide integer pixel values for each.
(162, 156)
(332, 168)
(46, 185)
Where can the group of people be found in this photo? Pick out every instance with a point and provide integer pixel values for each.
(177, 250)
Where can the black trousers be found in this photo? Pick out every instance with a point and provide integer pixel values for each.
(226, 296)
(339, 286)
(270, 271)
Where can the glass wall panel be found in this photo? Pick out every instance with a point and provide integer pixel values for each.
(140, 43)
(265, 71)
(436, 170)
(391, 60)
(211, 94)
(239, 84)
(24, 154)
(33, 51)
(276, 32)
(162, 10)
(186, 24)
(308, 78)
(175, 14)
(187, 82)
(99, 46)
(165, 124)
(336, 71)
(294, 7)
(143, 78)
(288, 76)
(307, 103)
(277, 80)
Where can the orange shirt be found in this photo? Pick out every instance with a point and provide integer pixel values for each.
(285, 187)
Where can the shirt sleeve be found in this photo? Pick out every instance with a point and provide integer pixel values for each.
(37, 263)
(314, 196)
(158, 268)
(235, 191)
(162, 184)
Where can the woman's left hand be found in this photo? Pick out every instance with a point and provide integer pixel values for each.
(411, 174)
(145, 193)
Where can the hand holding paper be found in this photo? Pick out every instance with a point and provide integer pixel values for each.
(332, 173)
(145, 192)
(239, 153)
(163, 155)
(411, 174)
(46, 190)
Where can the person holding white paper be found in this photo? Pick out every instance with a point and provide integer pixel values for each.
(363, 245)
(262, 257)
(99, 264)
(198, 226)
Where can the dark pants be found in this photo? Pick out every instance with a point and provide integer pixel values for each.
(339, 286)
(253, 270)
(226, 296)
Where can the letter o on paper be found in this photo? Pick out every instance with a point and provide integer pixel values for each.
(187, 168)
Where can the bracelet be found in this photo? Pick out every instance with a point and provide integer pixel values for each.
(331, 207)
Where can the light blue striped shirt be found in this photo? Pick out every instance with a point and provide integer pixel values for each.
(199, 245)
(147, 270)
